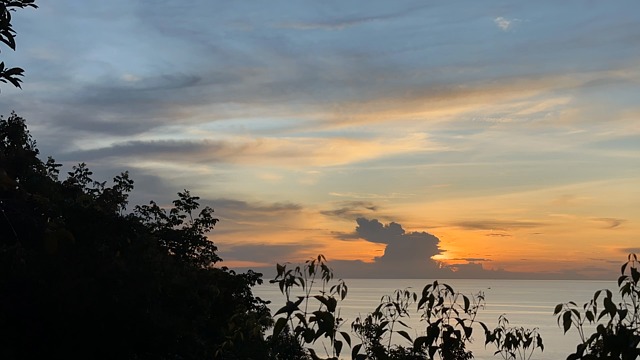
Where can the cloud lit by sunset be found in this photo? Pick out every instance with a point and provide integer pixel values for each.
(477, 140)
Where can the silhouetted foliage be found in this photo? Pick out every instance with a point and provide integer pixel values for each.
(285, 346)
(300, 320)
(81, 278)
(8, 37)
(179, 232)
(375, 330)
(619, 336)
(514, 342)
(450, 318)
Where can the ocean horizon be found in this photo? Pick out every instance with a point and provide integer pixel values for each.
(526, 303)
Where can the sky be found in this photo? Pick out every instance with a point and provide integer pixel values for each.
(401, 139)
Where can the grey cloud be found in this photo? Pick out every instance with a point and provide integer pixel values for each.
(346, 22)
(107, 109)
(498, 235)
(496, 225)
(149, 187)
(606, 260)
(632, 250)
(167, 149)
(587, 269)
(264, 253)
(407, 255)
(627, 142)
(609, 223)
(210, 151)
(119, 108)
(374, 231)
(351, 210)
(471, 259)
(243, 207)
(241, 217)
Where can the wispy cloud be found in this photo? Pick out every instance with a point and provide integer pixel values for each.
(283, 152)
(505, 24)
(351, 210)
(499, 235)
(342, 22)
(631, 250)
(609, 223)
(356, 195)
(497, 224)
(470, 259)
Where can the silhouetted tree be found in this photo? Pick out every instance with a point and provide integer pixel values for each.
(81, 278)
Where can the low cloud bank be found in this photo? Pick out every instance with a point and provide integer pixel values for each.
(407, 255)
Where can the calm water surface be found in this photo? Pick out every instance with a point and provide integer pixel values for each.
(527, 303)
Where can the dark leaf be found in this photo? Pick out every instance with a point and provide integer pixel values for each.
(602, 313)
(590, 316)
(622, 313)
(432, 351)
(355, 351)
(540, 344)
(610, 307)
(566, 321)
(405, 335)
(338, 346)
(277, 328)
(301, 318)
(635, 275)
(557, 309)
(289, 308)
(419, 342)
(346, 337)
(467, 331)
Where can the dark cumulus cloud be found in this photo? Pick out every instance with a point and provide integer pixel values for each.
(410, 255)
(407, 254)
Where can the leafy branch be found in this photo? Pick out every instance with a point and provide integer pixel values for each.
(617, 333)
(514, 342)
(309, 326)
(8, 35)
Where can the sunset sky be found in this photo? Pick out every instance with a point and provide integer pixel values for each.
(457, 139)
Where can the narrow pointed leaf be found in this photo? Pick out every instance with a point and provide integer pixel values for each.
(405, 335)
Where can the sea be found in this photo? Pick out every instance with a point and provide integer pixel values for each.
(526, 303)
